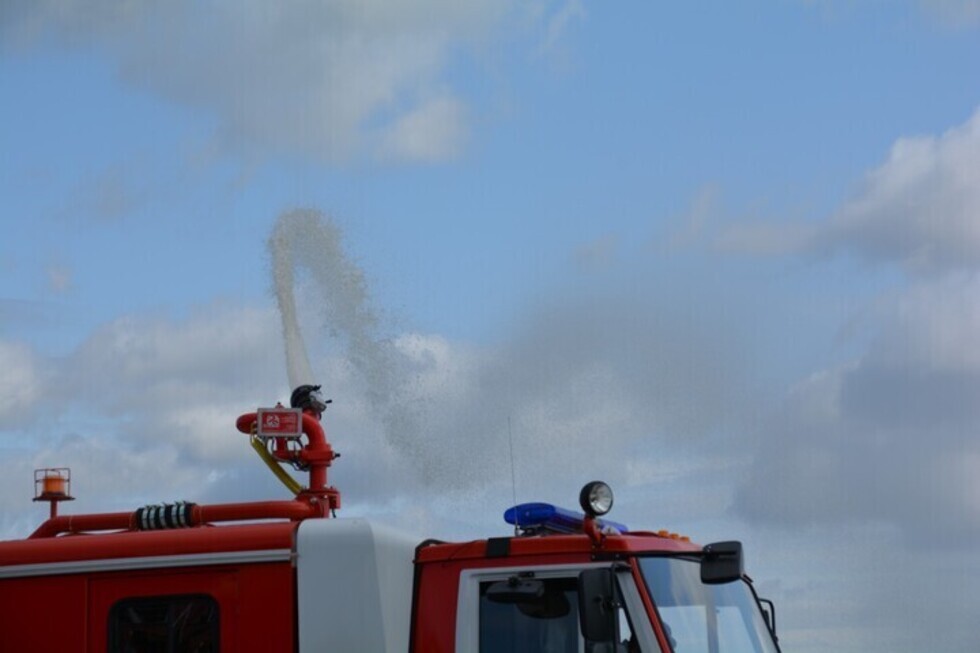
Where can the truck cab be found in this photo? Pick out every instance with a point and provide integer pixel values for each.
(573, 583)
(289, 576)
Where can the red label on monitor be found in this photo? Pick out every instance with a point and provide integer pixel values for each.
(280, 422)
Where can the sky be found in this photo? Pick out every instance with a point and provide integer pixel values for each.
(724, 256)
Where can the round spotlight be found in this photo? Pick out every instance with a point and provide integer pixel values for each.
(596, 498)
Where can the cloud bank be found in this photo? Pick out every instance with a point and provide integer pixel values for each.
(889, 437)
(332, 81)
(919, 209)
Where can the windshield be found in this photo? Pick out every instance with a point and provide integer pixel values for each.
(701, 618)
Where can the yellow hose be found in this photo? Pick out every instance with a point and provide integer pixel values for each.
(291, 483)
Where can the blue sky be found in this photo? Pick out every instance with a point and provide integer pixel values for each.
(724, 255)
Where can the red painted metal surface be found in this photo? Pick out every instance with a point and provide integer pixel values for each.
(132, 544)
(66, 607)
(48, 607)
(69, 614)
(118, 521)
(440, 566)
(633, 542)
(317, 454)
(435, 626)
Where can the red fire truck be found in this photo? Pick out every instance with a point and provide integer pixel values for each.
(288, 576)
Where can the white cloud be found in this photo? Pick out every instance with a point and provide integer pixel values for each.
(559, 23)
(693, 223)
(329, 80)
(596, 254)
(880, 452)
(889, 438)
(766, 239)
(576, 377)
(143, 410)
(885, 437)
(106, 196)
(21, 382)
(106, 475)
(158, 382)
(950, 13)
(135, 354)
(59, 278)
(434, 131)
(918, 209)
(955, 13)
(154, 400)
(934, 325)
(413, 411)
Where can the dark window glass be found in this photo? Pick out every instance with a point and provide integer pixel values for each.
(548, 625)
(164, 624)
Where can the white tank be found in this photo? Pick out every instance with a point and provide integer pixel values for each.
(354, 586)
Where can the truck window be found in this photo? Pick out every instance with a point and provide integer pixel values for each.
(721, 618)
(550, 624)
(164, 624)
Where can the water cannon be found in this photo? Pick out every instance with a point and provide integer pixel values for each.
(308, 398)
(277, 436)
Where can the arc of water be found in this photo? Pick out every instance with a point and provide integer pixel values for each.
(298, 368)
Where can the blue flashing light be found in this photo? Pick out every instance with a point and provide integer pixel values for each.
(548, 517)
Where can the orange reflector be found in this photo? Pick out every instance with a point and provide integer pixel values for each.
(54, 484)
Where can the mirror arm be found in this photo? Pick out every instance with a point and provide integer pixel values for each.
(770, 614)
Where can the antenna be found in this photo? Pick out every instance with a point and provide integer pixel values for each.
(513, 477)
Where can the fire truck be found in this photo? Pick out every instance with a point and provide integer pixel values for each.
(290, 576)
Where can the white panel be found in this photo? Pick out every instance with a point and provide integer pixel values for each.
(354, 585)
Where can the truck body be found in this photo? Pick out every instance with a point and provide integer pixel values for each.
(288, 576)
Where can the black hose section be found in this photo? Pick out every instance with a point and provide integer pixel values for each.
(165, 516)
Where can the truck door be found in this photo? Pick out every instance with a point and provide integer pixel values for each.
(546, 622)
(164, 612)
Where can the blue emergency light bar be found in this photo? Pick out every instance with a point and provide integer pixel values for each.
(548, 517)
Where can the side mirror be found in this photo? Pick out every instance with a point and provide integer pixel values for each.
(597, 608)
(722, 563)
